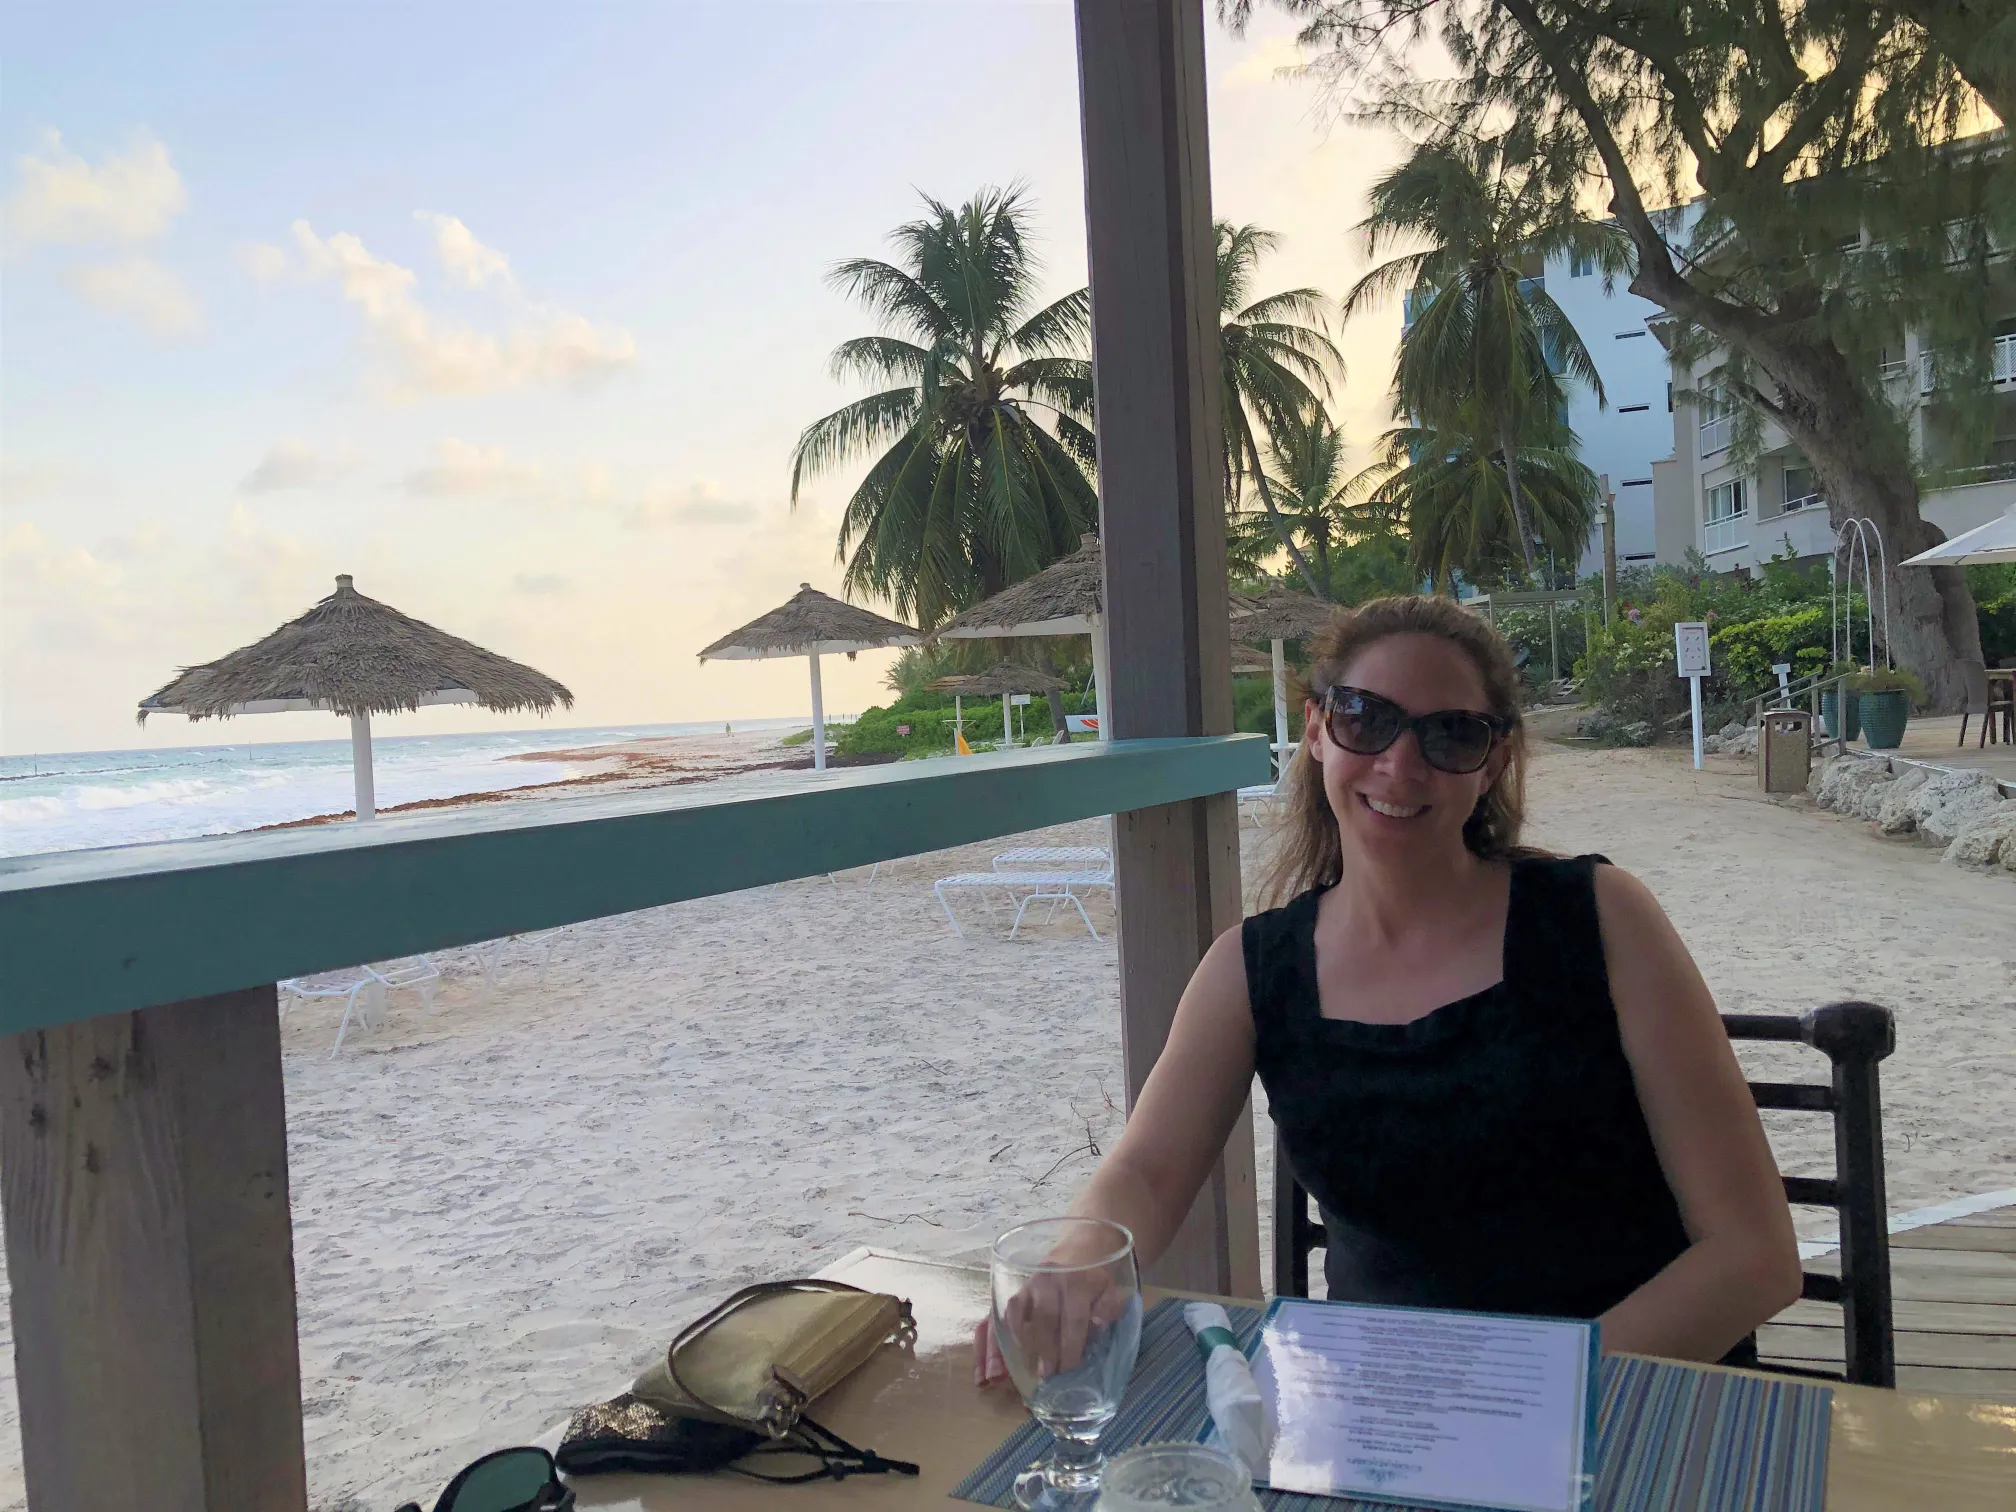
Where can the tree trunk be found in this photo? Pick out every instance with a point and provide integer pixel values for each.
(1508, 448)
(1932, 627)
(1281, 530)
(1058, 726)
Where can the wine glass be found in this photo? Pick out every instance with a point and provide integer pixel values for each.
(1067, 1319)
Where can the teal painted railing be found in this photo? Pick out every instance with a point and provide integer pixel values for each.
(84, 933)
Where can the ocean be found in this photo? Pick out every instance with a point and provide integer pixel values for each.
(86, 799)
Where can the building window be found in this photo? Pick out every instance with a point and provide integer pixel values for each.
(1632, 409)
(1718, 417)
(1669, 396)
(1725, 518)
(1629, 335)
(1802, 489)
(1580, 265)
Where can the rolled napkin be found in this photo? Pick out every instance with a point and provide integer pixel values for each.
(1229, 1389)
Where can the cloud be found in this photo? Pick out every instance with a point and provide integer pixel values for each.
(289, 463)
(124, 199)
(262, 260)
(462, 470)
(694, 505)
(465, 257)
(141, 289)
(542, 584)
(432, 357)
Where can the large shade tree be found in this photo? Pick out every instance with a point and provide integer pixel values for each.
(1487, 345)
(981, 435)
(1277, 363)
(1842, 203)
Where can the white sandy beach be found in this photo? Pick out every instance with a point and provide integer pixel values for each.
(503, 1209)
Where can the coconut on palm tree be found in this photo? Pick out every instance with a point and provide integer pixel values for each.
(1487, 348)
(1276, 361)
(981, 434)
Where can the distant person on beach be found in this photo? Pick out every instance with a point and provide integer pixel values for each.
(1498, 1071)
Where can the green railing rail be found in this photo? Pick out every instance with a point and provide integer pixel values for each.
(84, 933)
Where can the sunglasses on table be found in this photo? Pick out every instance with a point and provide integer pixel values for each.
(510, 1480)
(1457, 741)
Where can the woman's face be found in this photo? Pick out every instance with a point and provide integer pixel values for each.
(1395, 803)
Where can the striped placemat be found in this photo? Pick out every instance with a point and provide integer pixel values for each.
(1668, 1439)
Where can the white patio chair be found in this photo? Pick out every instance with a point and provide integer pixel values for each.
(300, 989)
(1054, 858)
(1054, 888)
(490, 956)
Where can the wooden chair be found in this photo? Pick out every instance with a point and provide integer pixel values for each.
(2002, 701)
(1854, 1037)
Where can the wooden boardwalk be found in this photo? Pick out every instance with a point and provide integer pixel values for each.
(1955, 1290)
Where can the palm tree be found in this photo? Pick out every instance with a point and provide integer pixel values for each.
(1486, 345)
(985, 433)
(1275, 362)
(1453, 488)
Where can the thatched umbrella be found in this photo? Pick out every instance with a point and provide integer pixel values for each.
(1001, 680)
(1246, 660)
(811, 624)
(1278, 614)
(1065, 598)
(354, 656)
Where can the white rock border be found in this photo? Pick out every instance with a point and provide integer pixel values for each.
(1962, 810)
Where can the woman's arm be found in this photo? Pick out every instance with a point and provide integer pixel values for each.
(1743, 1264)
(1177, 1127)
(1179, 1124)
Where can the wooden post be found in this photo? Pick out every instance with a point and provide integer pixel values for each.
(1155, 371)
(143, 1158)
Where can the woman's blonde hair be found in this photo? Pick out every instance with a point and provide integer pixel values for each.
(1307, 851)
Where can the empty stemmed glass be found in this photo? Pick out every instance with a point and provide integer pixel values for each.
(1067, 1319)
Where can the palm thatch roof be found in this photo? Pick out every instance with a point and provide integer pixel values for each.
(1006, 677)
(809, 623)
(1059, 600)
(1278, 613)
(353, 655)
(1246, 659)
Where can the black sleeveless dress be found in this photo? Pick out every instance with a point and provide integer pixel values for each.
(1490, 1155)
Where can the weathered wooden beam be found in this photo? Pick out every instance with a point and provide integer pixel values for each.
(143, 1168)
(94, 932)
(1155, 368)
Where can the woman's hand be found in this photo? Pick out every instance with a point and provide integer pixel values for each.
(1048, 1322)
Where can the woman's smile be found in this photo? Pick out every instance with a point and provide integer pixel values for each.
(1393, 810)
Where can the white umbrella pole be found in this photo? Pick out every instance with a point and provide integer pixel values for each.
(1102, 704)
(1280, 708)
(818, 719)
(1007, 721)
(360, 765)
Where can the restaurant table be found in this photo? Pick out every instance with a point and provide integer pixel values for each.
(1887, 1451)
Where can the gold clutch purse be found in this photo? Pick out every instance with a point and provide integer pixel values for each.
(762, 1356)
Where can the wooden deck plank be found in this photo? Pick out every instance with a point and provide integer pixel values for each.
(1988, 1352)
(1953, 1236)
(1921, 1315)
(1993, 1218)
(1928, 1262)
(1984, 1385)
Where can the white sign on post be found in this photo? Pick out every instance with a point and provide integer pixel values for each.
(1018, 699)
(1690, 650)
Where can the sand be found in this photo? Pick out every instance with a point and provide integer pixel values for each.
(504, 1207)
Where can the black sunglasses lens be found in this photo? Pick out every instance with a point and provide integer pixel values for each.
(1454, 742)
(504, 1482)
(1363, 723)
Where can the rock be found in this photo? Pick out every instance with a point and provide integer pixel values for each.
(1896, 816)
(1743, 743)
(1731, 730)
(1842, 788)
(1869, 802)
(1951, 801)
(1817, 778)
(1711, 744)
(1986, 841)
(1637, 733)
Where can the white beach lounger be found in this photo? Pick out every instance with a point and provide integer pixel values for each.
(368, 986)
(490, 956)
(1042, 887)
(1053, 858)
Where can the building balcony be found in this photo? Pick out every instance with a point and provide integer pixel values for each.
(1729, 533)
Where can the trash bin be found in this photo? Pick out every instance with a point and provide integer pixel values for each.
(1784, 750)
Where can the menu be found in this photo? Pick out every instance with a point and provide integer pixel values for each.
(1429, 1408)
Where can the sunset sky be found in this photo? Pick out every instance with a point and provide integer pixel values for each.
(512, 312)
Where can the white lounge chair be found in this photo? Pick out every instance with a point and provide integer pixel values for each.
(490, 956)
(1054, 858)
(367, 988)
(1053, 888)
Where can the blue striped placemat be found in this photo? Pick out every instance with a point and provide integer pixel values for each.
(1668, 1439)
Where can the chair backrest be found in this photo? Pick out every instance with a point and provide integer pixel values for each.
(1854, 1037)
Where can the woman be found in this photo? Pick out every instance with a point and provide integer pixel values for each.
(1498, 1071)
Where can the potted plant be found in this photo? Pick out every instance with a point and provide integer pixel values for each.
(1841, 716)
(1884, 698)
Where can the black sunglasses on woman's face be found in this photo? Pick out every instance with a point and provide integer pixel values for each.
(1452, 740)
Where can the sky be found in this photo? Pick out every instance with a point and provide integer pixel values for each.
(513, 312)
